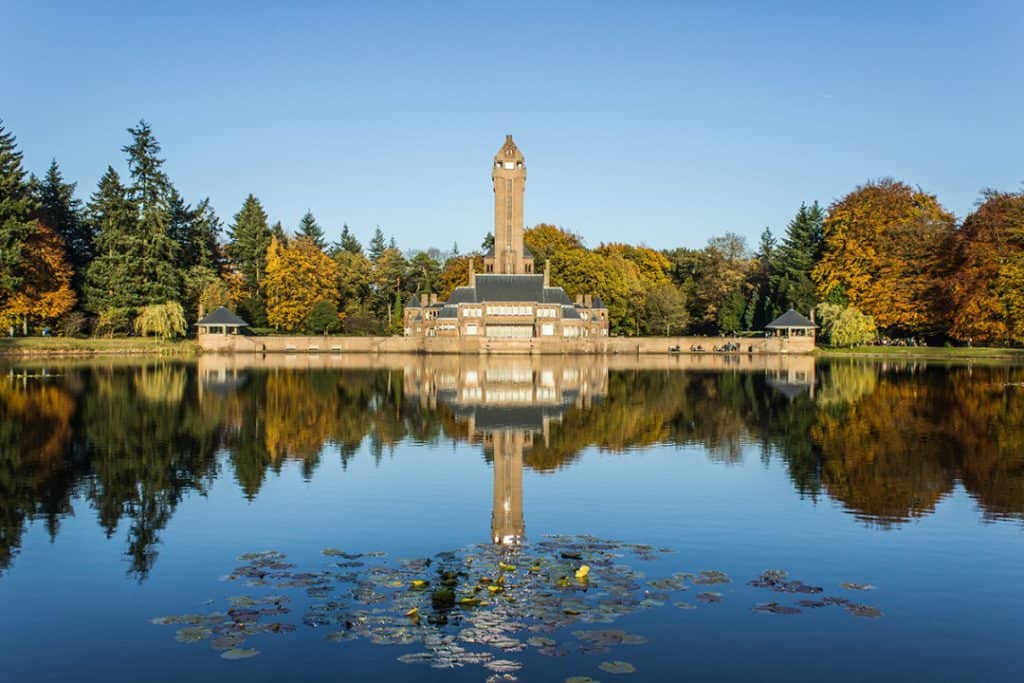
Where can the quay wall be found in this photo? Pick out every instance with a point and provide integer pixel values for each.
(236, 343)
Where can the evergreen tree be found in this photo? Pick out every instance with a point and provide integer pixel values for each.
(455, 249)
(150, 192)
(792, 286)
(310, 229)
(760, 306)
(16, 208)
(348, 242)
(248, 239)
(377, 245)
(488, 244)
(392, 244)
(112, 279)
(60, 211)
(277, 230)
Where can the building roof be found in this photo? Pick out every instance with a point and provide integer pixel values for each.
(597, 303)
(222, 317)
(790, 319)
(570, 313)
(414, 301)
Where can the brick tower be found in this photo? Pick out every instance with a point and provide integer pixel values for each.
(509, 178)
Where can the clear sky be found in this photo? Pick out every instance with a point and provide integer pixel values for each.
(661, 123)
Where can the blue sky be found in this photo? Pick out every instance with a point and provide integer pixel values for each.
(661, 123)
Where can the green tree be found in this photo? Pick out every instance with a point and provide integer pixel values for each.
(347, 242)
(665, 309)
(792, 284)
(165, 320)
(488, 244)
(112, 280)
(311, 230)
(248, 238)
(424, 274)
(154, 251)
(377, 244)
(17, 206)
(845, 325)
(323, 318)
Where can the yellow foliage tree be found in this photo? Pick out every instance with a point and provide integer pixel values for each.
(45, 291)
(885, 247)
(299, 275)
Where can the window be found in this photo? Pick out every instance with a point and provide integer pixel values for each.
(509, 331)
(471, 329)
(547, 329)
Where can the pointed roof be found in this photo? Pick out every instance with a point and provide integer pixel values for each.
(509, 151)
(414, 301)
(222, 317)
(790, 319)
(597, 303)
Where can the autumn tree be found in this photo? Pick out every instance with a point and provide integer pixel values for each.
(63, 213)
(845, 325)
(987, 285)
(456, 273)
(44, 292)
(884, 248)
(546, 241)
(298, 276)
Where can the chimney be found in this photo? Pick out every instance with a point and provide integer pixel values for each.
(508, 139)
(588, 299)
(579, 299)
(812, 314)
(424, 300)
(433, 299)
(472, 273)
(547, 273)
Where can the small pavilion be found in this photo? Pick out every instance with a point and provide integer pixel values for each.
(791, 324)
(221, 321)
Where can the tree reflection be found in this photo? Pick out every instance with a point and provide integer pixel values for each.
(888, 442)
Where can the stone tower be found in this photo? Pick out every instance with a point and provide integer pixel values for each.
(509, 178)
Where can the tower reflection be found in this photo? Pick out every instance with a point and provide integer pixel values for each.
(506, 404)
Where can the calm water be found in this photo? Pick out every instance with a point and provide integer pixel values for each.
(130, 491)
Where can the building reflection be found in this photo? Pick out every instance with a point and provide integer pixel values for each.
(507, 404)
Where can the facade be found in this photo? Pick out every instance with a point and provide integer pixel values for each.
(508, 300)
(790, 325)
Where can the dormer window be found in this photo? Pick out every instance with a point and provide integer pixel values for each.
(509, 165)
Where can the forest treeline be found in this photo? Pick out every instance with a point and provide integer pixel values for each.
(129, 442)
(137, 258)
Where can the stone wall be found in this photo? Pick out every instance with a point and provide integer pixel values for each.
(235, 343)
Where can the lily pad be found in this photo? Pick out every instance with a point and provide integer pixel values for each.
(617, 667)
(192, 634)
(857, 586)
(239, 653)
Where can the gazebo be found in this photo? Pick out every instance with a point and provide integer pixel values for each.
(221, 321)
(790, 324)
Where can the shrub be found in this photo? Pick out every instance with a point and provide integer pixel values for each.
(323, 318)
(845, 325)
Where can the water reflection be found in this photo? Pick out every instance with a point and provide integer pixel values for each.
(128, 440)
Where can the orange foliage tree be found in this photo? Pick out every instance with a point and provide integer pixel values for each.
(987, 286)
(45, 291)
(885, 253)
(299, 275)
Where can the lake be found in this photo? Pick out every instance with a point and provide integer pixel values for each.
(452, 518)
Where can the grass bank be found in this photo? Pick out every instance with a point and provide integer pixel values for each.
(59, 346)
(939, 353)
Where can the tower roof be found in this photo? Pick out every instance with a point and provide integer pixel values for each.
(509, 151)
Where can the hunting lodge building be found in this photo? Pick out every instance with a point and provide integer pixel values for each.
(508, 300)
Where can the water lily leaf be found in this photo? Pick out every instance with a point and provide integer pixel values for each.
(617, 667)
(710, 577)
(582, 573)
(581, 679)
(503, 666)
(682, 604)
(775, 608)
(332, 552)
(863, 611)
(506, 567)
(709, 596)
(192, 634)
(418, 584)
(857, 586)
(239, 653)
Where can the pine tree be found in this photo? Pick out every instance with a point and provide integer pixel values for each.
(348, 241)
(248, 239)
(310, 229)
(792, 286)
(112, 279)
(488, 244)
(16, 208)
(760, 307)
(277, 230)
(377, 245)
(63, 213)
(150, 192)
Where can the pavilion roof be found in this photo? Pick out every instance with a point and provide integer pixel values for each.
(222, 317)
(790, 319)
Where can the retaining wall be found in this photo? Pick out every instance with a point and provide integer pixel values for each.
(236, 343)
